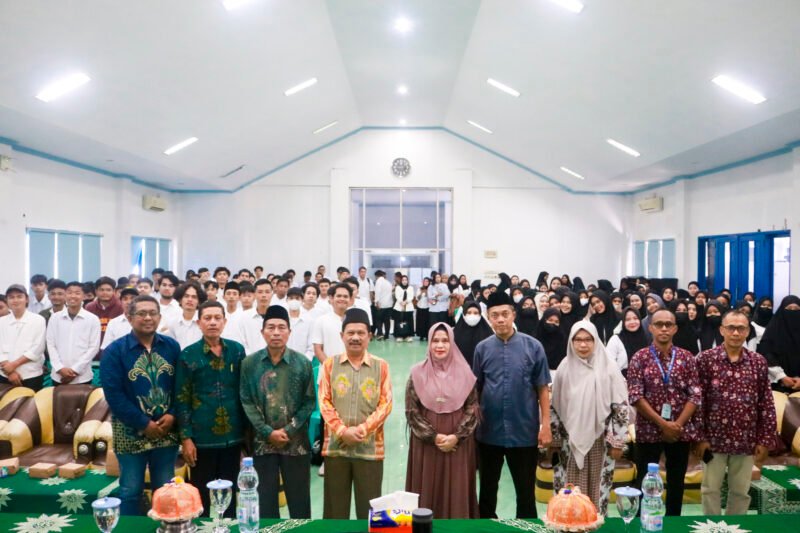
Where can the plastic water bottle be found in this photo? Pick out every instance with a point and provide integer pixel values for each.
(247, 507)
(652, 506)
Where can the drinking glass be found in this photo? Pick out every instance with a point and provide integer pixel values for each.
(220, 494)
(106, 513)
(627, 503)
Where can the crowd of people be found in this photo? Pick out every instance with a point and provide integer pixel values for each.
(216, 363)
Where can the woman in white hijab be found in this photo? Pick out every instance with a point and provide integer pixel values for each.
(588, 416)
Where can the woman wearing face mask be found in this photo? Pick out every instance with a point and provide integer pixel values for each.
(527, 316)
(686, 337)
(570, 312)
(552, 337)
(422, 309)
(583, 300)
(403, 311)
(516, 295)
(763, 311)
(470, 330)
(588, 440)
(628, 341)
(780, 344)
(616, 302)
(709, 334)
(442, 414)
(604, 317)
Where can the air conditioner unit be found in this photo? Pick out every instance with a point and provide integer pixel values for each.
(652, 205)
(151, 202)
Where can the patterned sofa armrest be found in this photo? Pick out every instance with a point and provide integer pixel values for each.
(96, 411)
(22, 432)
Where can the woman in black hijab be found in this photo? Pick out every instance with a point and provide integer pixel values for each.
(471, 329)
(577, 284)
(781, 345)
(686, 336)
(632, 338)
(604, 317)
(570, 312)
(552, 337)
(566, 281)
(542, 278)
(668, 297)
(527, 316)
(763, 311)
(709, 334)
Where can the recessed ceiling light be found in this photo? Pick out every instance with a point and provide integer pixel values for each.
(230, 5)
(572, 173)
(62, 86)
(403, 25)
(180, 146)
(300, 86)
(570, 5)
(503, 87)
(402, 89)
(326, 126)
(402, 122)
(482, 128)
(619, 146)
(739, 89)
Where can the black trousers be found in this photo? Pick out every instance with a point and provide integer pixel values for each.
(438, 316)
(423, 323)
(521, 463)
(216, 463)
(677, 460)
(384, 322)
(35, 383)
(295, 472)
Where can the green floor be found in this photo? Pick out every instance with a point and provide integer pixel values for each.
(401, 356)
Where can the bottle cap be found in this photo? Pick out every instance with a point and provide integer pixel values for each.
(652, 467)
(247, 461)
(422, 516)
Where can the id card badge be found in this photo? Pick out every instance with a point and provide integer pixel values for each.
(666, 411)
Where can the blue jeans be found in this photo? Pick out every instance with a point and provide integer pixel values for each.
(131, 475)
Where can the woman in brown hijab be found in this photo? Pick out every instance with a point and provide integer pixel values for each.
(442, 413)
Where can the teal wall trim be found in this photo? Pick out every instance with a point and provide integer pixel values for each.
(728, 166)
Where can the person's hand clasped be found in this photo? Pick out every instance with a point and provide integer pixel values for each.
(446, 443)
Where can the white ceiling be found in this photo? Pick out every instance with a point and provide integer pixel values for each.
(635, 71)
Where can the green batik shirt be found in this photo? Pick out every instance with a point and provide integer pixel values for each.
(278, 397)
(207, 395)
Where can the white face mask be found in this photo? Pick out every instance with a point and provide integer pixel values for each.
(472, 320)
(294, 305)
(584, 301)
(517, 298)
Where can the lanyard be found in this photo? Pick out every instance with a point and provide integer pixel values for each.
(664, 377)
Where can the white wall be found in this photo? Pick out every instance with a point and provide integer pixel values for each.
(299, 216)
(43, 194)
(760, 196)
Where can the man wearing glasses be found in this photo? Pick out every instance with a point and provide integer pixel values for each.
(138, 376)
(664, 388)
(738, 416)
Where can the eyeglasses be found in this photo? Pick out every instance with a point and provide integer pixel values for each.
(145, 314)
(737, 329)
(663, 325)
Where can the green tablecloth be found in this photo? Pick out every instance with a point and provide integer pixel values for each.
(21, 494)
(21, 523)
(778, 490)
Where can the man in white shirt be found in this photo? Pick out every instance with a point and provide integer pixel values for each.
(247, 295)
(300, 324)
(323, 301)
(39, 302)
(366, 289)
(310, 293)
(119, 327)
(326, 334)
(57, 294)
(144, 287)
(73, 340)
(231, 297)
(22, 342)
(170, 309)
(359, 302)
(251, 322)
(384, 301)
(281, 289)
(184, 328)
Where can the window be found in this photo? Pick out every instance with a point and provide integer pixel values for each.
(654, 258)
(149, 253)
(65, 255)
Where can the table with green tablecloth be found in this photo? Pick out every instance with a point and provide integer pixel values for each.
(22, 494)
(46, 523)
(778, 490)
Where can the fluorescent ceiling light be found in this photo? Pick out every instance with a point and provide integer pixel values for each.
(402, 122)
(482, 128)
(402, 89)
(739, 89)
(570, 5)
(326, 126)
(230, 5)
(503, 87)
(62, 86)
(403, 25)
(572, 173)
(619, 146)
(299, 87)
(180, 146)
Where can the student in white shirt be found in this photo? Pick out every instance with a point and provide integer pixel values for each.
(232, 313)
(170, 309)
(119, 327)
(327, 332)
(384, 300)
(73, 340)
(300, 324)
(22, 342)
(184, 328)
(39, 302)
(251, 321)
(366, 289)
(310, 293)
(323, 301)
(360, 303)
(281, 288)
